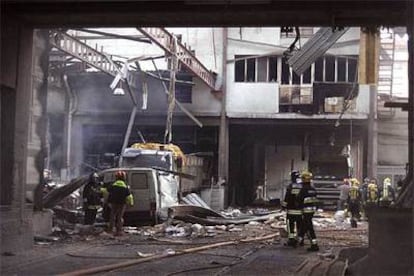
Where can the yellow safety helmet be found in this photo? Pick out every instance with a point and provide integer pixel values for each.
(306, 176)
(354, 182)
(387, 180)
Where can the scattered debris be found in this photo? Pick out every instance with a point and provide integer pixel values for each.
(49, 239)
(167, 253)
(145, 255)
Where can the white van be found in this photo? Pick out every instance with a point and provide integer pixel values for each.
(153, 190)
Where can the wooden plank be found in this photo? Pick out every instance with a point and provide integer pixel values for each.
(115, 266)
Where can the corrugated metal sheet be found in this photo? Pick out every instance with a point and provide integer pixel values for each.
(315, 47)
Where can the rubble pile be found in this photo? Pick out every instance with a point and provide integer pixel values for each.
(252, 226)
(195, 219)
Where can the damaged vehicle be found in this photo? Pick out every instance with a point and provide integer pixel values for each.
(153, 180)
(153, 190)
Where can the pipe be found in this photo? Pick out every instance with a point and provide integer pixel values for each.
(128, 133)
(71, 111)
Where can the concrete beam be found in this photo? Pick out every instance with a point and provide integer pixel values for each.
(71, 13)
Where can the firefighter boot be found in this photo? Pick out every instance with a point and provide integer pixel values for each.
(301, 241)
(292, 242)
(314, 247)
(353, 223)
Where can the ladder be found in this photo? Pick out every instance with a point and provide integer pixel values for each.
(165, 40)
(76, 48)
(385, 70)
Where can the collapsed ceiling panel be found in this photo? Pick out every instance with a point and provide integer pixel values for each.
(315, 47)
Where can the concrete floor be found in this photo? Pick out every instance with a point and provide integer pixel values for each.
(264, 258)
(256, 258)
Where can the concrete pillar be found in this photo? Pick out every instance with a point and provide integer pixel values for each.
(16, 218)
(38, 117)
(372, 145)
(390, 244)
(223, 147)
(410, 30)
(368, 74)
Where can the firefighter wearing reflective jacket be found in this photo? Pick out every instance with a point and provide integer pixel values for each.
(119, 196)
(387, 193)
(372, 193)
(293, 212)
(354, 202)
(308, 202)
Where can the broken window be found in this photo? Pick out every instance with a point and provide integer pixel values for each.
(240, 69)
(251, 69)
(341, 69)
(352, 69)
(262, 69)
(285, 72)
(329, 68)
(183, 93)
(272, 69)
(295, 78)
(307, 76)
(319, 69)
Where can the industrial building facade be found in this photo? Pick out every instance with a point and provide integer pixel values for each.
(275, 120)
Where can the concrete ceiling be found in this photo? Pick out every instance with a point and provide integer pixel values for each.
(92, 13)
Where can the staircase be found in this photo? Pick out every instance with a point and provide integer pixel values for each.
(385, 71)
(82, 51)
(165, 40)
(97, 59)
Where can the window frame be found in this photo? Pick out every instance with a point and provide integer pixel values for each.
(313, 70)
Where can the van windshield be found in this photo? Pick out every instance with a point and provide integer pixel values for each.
(148, 161)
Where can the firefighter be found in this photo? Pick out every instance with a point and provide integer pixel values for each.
(364, 189)
(343, 195)
(363, 192)
(307, 202)
(354, 202)
(372, 193)
(119, 196)
(387, 193)
(293, 213)
(92, 199)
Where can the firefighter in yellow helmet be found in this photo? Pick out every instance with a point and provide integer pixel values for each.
(372, 194)
(387, 193)
(307, 202)
(354, 202)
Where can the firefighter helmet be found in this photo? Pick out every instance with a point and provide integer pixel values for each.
(306, 176)
(94, 177)
(120, 175)
(354, 182)
(387, 181)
